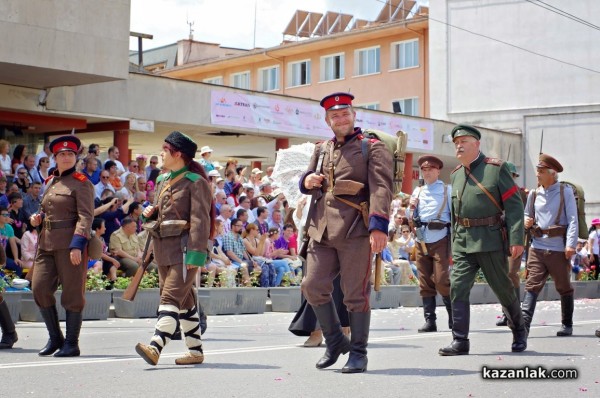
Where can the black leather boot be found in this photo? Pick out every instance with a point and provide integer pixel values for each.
(598, 332)
(503, 321)
(56, 341)
(448, 304)
(335, 341)
(429, 312)
(460, 330)
(516, 323)
(202, 316)
(529, 302)
(9, 335)
(566, 308)
(71, 346)
(359, 337)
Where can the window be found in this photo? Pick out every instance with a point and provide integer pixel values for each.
(407, 106)
(366, 61)
(405, 54)
(268, 79)
(241, 80)
(299, 73)
(214, 80)
(374, 106)
(332, 67)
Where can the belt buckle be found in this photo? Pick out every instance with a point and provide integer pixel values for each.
(47, 224)
(466, 223)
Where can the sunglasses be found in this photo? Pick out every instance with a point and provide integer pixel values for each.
(153, 162)
(105, 177)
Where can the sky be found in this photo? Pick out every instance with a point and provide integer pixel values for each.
(231, 22)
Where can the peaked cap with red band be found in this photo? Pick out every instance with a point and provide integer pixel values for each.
(65, 143)
(337, 101)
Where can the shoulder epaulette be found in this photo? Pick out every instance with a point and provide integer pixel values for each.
(192, 176)
(494, 161)
(160, 178)
(456, 169)
(79, 176)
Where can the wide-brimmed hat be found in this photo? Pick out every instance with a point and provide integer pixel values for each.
(205, 149)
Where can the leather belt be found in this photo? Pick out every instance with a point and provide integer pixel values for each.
(479, 222)
(554, 232)
(436, 225)
(60, 224)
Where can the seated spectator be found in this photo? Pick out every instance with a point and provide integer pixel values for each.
(113, 173)
(104, 184)
(242, 215)
(31, 200)
(135, 213)
(141, 184)
(262, 214)
(22, 179)
(220, 187)
(276, 220)
(234, 197)
(233, 246)
(19, 220)
(402, 247)
(225, 215)
(245, 205)
(9, 241)
(3, 189)
(91, 170)
(5, 162)
(126, 248)
(400, 269)
(107, 264)
(220, 200)
(218, 260)
(112, 212)
(580, 262)
(42, 169)
(255, 247)
(28, 249)
(129, 185)
(17, 158)
(283, 243)
(281, 266)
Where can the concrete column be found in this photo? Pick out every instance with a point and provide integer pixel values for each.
(407, 180)
(121, 140)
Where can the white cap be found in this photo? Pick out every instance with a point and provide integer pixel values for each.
(214, 173)
(205, 149)
(219, 180)
(256, 171)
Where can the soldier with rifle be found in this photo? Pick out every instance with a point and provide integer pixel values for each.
(180, 229)
(349, 224)
(487, 223)
(430, 215)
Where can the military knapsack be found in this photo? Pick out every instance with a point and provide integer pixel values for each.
(395, 145)
(583, 232)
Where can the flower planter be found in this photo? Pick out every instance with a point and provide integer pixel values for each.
(482, 293)
(285, 299)
(145, 304)
(549, 292)
(409, 296)
(14, 302)
(97, 305)
(386, 297)
(585, 289)
(30, 311)
(234, 300)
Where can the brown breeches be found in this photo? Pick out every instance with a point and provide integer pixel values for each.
(542, 263)
(174, 290)
(434, 268)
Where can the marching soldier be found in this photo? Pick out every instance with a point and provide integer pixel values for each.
(486, 218)
(551, 215)
(514, 264)
(431, 218)
(348, 225)
(66, 216)
(183, 216)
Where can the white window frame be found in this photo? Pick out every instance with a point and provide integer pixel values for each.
(214, 80)
(296, 81)
(262, 85)
(233, 77)
(372, 106)
(414, 103)
(398, 53)
(372, 54)
(322, 67)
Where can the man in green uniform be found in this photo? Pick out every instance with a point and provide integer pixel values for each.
(487, 220)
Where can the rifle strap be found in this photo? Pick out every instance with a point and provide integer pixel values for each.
(485, 191)
(441, 210)
(561, 206)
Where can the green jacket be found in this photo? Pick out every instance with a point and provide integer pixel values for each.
(469, 201)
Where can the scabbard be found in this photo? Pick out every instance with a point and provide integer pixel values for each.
(377, 272)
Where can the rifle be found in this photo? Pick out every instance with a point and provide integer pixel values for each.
(132, 289)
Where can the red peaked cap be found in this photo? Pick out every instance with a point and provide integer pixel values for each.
(337, 101)
(65, 143)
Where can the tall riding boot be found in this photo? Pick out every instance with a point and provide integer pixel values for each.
(335, 341)
(56, 341)
(429, 312)
(460, 330)
(9, 335)
(529, 302)
(202, 315)
(359, 325)
(71, 346)
(448, 304)
(516, 323)
(566, 309)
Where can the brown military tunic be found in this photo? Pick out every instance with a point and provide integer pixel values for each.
(187, 198)
(339, 237)
(68, 208)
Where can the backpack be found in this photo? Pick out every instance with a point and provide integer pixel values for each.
(583, 231)
(395, 145)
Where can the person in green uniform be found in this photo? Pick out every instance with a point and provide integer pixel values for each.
(487, 225)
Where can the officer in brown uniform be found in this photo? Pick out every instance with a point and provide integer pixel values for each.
(66, 216)
(182, 210)
(356, 175)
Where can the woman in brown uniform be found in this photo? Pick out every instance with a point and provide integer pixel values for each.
(182, 208)
(66, 216)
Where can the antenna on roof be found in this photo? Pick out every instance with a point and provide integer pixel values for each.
(190, 24)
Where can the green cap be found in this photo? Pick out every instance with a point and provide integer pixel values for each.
(512, 168)
(462, 130)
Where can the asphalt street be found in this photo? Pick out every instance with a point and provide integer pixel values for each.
(255, 356)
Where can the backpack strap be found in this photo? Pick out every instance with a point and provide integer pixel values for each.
(439, 215)
(561, 206)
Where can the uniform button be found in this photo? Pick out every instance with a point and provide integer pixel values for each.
(328, 203)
